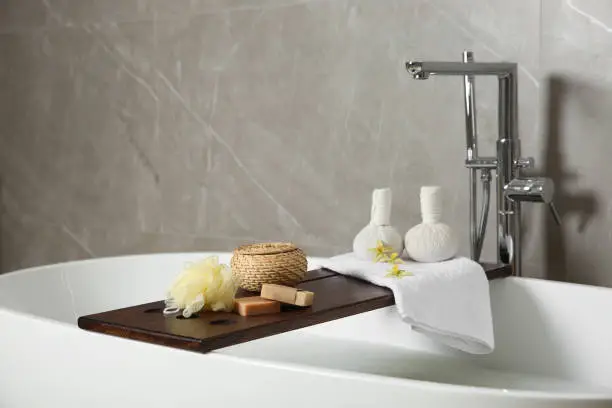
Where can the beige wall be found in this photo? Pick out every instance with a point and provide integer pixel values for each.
(134, 126)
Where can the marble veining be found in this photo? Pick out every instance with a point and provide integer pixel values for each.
(133, 126)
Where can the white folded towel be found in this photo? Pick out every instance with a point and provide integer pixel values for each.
(446, 301)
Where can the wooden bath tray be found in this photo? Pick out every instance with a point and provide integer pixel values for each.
(336, 296)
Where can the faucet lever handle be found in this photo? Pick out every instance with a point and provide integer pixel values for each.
(555, 213)
(536, 189)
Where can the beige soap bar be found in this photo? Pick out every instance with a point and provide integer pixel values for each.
(286, 294)
(256, 305)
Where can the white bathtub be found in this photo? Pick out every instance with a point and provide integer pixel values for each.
(553, 349)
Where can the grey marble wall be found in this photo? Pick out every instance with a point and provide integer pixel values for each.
(131, 126)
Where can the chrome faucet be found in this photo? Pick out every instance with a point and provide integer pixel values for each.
(512, 189)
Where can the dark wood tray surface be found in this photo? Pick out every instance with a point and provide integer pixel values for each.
(336, 296)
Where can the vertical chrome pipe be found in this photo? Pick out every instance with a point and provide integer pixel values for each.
(508, 212)
(471, 152)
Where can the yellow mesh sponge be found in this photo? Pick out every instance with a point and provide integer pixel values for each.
(204, 285)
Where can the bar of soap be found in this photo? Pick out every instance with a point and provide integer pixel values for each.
(287, 294)
(256, 305)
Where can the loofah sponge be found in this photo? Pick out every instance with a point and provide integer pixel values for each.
(204, 285)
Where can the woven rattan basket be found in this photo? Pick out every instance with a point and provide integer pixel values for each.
(281, 263)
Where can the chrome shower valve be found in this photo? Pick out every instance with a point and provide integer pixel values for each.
(535, 189)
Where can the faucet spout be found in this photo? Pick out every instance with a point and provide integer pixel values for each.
(423, 69)
(415, 68)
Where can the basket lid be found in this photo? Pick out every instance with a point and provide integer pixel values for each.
(265, 248)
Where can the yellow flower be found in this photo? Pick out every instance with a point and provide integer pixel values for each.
(396, 272)
(394, 258)
(381, 251)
